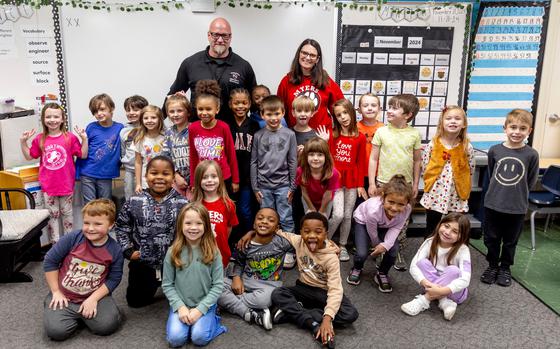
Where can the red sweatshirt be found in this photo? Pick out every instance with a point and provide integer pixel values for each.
(349, 155)
(324, 100)
(213, 144)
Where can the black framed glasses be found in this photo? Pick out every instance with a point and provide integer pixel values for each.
(308, 54)
(224, 36)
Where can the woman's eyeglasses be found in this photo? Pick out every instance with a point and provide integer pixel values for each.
(308, 54)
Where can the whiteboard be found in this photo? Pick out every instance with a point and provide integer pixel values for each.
(28, 57)
(139, 53)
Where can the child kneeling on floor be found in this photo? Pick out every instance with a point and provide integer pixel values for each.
(193, 280)
(442, 266)
(316, 301)
(257, 271)
(82, 269)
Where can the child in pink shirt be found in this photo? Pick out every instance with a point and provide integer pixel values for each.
(56, 147)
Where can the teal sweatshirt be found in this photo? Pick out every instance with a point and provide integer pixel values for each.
(196, 284)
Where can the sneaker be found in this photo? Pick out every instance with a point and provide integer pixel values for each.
(261, 317)
(416, 306)
(343, 256)
(278, 316)
(504, 277)
(383, 283)
(330, 343)
(400, 263)
(354, 277)
(489, 276)
(289, 261)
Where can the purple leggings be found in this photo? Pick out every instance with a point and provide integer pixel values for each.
(449, 274)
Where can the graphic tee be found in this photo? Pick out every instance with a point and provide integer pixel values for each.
(57, 171)
(221, 218)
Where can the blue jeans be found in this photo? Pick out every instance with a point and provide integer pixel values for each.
(245, 204)
(93, 188)
(362, 242)
(278, 200)
(201, 333)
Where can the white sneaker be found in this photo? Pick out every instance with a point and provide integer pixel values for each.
(448, 306)
(343, 256)
(416, 306)
(289, 261)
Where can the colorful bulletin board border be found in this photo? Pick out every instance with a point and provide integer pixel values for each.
(506, 63)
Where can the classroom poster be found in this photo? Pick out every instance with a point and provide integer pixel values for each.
(404, 59)
(506, 66)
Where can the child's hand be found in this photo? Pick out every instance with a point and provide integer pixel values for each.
(434, 291)
(323, 133)
(138, 189)
(379, 249)
(326, 331)
(259, 196)
(245, 240)
(373, 190)
(135, 256)
(362, 193)
(300, 149)
(194, 315)
(290, 196)
(88, 308)
(26, 135)
(183, 313)
(414, 192)
(180, 181)
(58, 299)
(235, 187)
(237, 285)
(81, 132)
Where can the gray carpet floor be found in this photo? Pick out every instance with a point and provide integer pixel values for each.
(492, 317)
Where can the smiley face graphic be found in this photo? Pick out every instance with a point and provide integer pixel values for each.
(509, 171)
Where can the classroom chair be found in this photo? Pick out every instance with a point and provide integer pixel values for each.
(547, 201)
(20, 233)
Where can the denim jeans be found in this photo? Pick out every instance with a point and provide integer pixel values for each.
(245, 208)
(278, 200)
(201, 332)
(93, 188)
(362, 242)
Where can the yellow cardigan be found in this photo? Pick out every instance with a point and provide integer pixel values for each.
(459, 165)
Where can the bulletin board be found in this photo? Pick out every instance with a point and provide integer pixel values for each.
(420, 52)
(506, 66)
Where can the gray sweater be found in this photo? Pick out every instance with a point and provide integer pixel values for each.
(512, 173)
(274, 159)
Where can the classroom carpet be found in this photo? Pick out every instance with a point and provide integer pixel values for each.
(538, 271)
(492, 317)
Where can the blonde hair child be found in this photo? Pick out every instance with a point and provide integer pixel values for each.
(210, 190)
(193, 280)
(148, 142)
(57, 172)
(447, 164)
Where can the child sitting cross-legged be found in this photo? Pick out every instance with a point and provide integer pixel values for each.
(316, 301)
(257, 271)
(82, 269)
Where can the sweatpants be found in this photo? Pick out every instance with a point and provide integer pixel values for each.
(257, 295)
(501, 232)
(142, 284)
(313, 301)
(363, 242)
(61, 323)
(449, 274)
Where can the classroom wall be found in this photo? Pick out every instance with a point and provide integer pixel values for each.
(139, 53)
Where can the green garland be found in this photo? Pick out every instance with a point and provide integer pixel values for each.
(259, 4)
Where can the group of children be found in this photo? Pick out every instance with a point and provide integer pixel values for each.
(188, 187)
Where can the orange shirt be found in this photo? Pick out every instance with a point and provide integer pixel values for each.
(368, 131)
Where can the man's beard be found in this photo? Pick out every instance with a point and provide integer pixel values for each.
(219, 50)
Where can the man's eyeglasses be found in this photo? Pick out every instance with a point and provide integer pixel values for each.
(216, 36)
(308, 54)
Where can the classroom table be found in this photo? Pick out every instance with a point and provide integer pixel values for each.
(544, 163)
